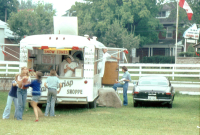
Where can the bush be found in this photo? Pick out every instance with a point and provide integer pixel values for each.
(191, 48)
(158, 59)
(189, 54)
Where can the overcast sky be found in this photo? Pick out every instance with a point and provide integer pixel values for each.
(60, 5)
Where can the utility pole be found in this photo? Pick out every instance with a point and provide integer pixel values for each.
(5, 14)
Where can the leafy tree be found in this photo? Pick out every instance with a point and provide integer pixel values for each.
(9, 6)
(27, 5)
(119, 22)
(28, 22)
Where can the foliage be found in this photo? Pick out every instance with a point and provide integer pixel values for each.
(27, 5)
(189, 54)
(10, 5)
(191, 48)
(119, 23)
(28, 22)
(158, 59)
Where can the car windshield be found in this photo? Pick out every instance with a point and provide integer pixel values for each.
(153, 82)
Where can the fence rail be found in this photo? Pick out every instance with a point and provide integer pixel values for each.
(168, 70)
(9, 67)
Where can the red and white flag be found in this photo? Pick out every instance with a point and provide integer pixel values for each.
(184, 5)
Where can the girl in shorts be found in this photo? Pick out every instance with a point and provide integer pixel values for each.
(36, 93)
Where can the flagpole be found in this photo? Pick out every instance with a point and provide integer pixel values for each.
(176, 32)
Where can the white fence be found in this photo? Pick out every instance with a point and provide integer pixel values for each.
(168, 70)
(9, 67)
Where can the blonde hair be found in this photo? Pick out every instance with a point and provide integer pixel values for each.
(27, 74)
(16, 77)
(53, 72)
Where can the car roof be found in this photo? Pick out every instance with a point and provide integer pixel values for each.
(153, 77)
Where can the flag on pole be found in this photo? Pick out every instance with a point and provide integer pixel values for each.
(184, 5)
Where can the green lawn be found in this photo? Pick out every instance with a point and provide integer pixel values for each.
(182, 119)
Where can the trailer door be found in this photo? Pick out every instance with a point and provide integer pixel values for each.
(111, 73)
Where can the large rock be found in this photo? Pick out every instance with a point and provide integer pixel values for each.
(109, 98)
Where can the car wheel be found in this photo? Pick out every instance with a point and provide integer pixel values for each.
(135, 104)
(169, 105)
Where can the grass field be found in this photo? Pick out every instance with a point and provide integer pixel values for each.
(182, 119)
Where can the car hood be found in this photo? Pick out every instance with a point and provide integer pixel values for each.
(153, 88)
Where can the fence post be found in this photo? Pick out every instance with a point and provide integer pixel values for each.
(6, 69)
(140, 72)
(173, 73)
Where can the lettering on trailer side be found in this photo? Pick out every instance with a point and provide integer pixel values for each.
(74, 91)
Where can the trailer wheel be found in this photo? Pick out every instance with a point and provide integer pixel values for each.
(29, 105)
(40, 105)
(92, 104)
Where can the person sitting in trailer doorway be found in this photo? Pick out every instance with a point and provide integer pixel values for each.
(69, 68)
(101, 65)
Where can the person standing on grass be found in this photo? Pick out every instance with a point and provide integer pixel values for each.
(12, 97)
(36, 93)
(125, 79)
(52, 83)
(22, 80)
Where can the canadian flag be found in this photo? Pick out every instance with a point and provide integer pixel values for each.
(184, 5)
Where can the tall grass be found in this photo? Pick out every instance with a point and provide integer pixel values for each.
(182, 119)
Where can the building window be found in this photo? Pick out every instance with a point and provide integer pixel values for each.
(169, 32)
(162, 14)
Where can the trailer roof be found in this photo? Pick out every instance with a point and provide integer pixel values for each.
(59, 40)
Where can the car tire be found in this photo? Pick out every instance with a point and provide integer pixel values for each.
(169, 105)
(135, 104)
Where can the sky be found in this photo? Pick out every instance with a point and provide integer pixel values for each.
(60, 5)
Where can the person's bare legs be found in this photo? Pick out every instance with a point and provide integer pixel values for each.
(35, 108)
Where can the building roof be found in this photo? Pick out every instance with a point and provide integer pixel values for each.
(197, 45)
(7, 32)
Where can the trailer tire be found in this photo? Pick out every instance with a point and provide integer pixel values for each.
(92, 104)
(40, 105)
(29, 105)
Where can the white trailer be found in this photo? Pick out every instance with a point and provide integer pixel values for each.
(47, 52)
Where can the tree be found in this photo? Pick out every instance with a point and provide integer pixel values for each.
(27, 5)
(31, 22)
(119, 22)
(7, 6)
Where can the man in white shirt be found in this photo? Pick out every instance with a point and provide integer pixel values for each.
(69, 68)
(102, 63)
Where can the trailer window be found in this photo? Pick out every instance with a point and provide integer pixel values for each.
(45, 60)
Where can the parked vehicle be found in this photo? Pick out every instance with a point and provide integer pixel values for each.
(153, 89)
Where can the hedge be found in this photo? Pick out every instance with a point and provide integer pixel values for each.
(158, 59)
(189, 54)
